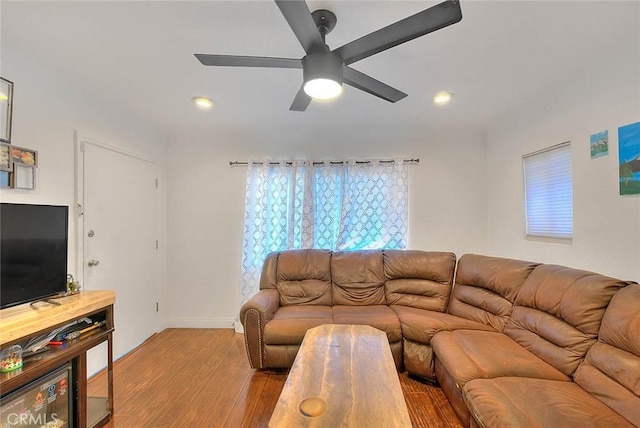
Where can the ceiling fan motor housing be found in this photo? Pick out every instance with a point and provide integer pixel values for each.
(322, 65)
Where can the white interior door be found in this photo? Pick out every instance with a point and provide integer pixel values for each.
(119, 233)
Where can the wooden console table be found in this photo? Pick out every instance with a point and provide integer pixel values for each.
(23, 322)
(343, 375)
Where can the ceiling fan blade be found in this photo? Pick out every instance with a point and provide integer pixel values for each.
(427, 21)
(368, 84)
(248, 61)
(301, 101)
(297, 14)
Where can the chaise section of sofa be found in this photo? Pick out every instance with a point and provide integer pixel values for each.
(605, 391)
(483, 297)
(554, 322)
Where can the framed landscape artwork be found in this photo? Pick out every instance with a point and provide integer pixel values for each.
(629, 157)
(599, 144)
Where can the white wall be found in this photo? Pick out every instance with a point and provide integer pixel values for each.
(47, 110)
(205, 205)
(606, 225)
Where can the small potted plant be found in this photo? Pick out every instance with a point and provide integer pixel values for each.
(73, 286)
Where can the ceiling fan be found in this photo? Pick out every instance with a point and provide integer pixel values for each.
(324, 70)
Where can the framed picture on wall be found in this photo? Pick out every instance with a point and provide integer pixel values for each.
(629, 158)
(24, 177)
(6, 107)
(5, 179)
(22, 156)
(5, 157)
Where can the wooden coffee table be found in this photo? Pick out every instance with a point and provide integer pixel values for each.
(343, 376)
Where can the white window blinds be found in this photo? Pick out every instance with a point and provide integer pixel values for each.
(548, 189)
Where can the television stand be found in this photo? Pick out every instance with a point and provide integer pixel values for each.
(22, 322)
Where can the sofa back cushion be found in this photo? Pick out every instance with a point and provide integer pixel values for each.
(268, 277)
(303, 277)
(420, 279)
(358, 277)
(611, 369)
(558, 313)
(486, 288)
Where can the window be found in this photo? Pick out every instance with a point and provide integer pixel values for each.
(335, 206)
(548, 192)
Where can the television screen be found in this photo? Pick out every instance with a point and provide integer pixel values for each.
(33, 252)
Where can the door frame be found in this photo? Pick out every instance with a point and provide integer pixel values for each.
(81, 140)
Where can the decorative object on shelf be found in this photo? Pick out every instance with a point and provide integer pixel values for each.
(629, 157)
(599, 144)
(11, 359)
(6, 107)
(73, 286)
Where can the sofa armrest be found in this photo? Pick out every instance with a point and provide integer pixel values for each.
(254, 315)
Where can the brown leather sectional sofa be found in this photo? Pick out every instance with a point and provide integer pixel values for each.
(513, 343)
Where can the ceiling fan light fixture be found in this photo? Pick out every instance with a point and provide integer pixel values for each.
(322, 73)
(322, 89)
(202, 102)
(442, 98)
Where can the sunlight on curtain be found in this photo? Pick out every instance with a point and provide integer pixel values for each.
(348, 206)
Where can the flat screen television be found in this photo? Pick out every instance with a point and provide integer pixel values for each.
(33, 252)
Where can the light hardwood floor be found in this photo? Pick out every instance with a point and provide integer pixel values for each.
(201, 378)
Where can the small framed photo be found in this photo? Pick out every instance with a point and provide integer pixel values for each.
(5, 179)
(6, 108)
(22, 156)
(24, 177)
(5, 157)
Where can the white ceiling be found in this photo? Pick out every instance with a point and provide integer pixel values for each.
(139, 55)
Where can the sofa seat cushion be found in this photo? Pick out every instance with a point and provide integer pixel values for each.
(290, 323)
(378, 316)
(469, 354)
(513, 402)
(419, 325)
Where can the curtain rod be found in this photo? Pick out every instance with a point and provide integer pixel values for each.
(416, 160)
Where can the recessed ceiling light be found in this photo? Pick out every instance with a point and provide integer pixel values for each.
(203, 103)
(442, 98)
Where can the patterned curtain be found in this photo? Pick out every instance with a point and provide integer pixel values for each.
(349, 206)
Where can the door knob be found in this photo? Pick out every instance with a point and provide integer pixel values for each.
(93, 262)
